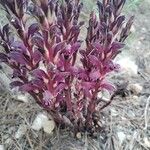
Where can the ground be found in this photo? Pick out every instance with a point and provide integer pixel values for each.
(126, 121)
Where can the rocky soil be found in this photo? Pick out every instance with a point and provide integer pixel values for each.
(126, 122)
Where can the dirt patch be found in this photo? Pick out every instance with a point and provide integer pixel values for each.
(126, 122)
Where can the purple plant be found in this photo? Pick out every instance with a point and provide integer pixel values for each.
(43, 50)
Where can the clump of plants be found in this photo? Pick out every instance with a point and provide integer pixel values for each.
(62, 72)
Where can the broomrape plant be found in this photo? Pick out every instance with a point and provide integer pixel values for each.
(41, 44)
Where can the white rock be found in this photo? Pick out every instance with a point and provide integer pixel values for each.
(48, 126)
(78, 135)
(132, 29)
(147, 142)
(8, 141)
(5, 78)
(4, 82)
(38, 122)
(135, 97)
(144, 29)
(114, 112)
(121, 136)
(21, 131)
(105, 95)
(127, 66)
(106, 99)
(23, 98)
(135, 88)
(2, 147)
(42, 121)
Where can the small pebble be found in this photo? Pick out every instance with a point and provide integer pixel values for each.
(42, 121)
(78, 135)
(21, 131)
(135, 97)
(2, 147)
(132, 29)
(23, 98)
(128, 66)
(121, 136)
(135, 88)
(114, 112)
(48, 126)
(38, 122)
(147, 142)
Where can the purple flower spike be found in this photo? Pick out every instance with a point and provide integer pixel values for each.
(62, 72)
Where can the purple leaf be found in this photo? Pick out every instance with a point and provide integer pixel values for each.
(16, 73)
(87, 93)
(47, 98)
(32, 29)
(94, 60)
(39, 73)
(75, 47)
(39, 83)
(98, 46)
(73, 70)
(94, 75)
(60, 87)
(82, 74)
(59, 97)
(38, 40)
(61, 76)
(58, 47)
(36, 56)
(117, 45)
(88, 85)
(100, 7)
(108, 86)
(17, 24)
(120, 20)
(18, 57)
(17, 45)
(83, 53)
(16, 83)
(3, 57)
(109, 66)
(75, 29)
(5, 30)
(28, 87)
(44, 6)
